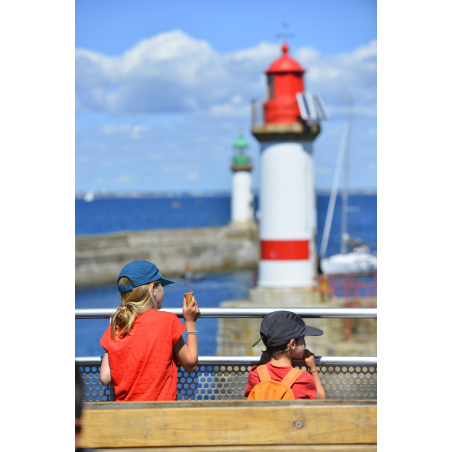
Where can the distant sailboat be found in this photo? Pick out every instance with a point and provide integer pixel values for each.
(360, 259)
(89, 196)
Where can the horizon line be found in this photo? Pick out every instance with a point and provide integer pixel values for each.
(196, 193)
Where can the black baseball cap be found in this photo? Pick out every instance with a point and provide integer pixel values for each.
(279, 327)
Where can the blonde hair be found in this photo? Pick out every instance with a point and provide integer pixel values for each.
(133, 303)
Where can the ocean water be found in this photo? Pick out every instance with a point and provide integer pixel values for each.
(119, 214)
(128, 214)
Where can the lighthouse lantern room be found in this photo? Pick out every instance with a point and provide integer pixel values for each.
(290, 121)
(284, 81)
(242, 199)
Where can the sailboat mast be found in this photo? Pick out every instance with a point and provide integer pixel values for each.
(346, 173)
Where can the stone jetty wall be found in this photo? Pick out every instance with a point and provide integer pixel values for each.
(342, 337)
(100, 257)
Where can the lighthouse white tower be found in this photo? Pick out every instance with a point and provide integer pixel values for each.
(287, 203)
(242, 199)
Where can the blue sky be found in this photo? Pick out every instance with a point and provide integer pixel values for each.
(163, 88)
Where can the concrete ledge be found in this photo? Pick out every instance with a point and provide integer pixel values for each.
(99, 258)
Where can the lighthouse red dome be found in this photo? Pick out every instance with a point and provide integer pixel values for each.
(285, 63)
(284, 81)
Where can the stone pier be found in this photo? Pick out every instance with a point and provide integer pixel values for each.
(99, 258)
(341, 337)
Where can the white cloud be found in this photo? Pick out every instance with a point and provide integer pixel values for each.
(110, 129)
(173, 72)
(154, 157)
(137, 130)
(173, 168)
(123, 179)
(230, 110)
(336, 77)
(192, 176)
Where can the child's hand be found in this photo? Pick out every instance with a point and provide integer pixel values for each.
(191, 312)
(309, 359)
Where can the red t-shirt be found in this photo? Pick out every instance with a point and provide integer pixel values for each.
(303, 388)
(142, 363)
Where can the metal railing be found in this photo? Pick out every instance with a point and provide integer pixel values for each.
(225, 377)
(274, 111)
(257, 113)
(253, 360)
(242, 313)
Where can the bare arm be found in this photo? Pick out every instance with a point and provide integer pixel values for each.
(187, 353)
(309, 360)
(318, 383)
(105, 374)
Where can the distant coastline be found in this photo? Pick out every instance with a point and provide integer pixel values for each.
(196, 194)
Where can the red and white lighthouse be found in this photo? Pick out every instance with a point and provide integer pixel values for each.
(286, 125)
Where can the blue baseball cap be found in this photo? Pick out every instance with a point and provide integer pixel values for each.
(140, 273)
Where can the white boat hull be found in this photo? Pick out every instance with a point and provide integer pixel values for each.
(348, 263)
(89, 196)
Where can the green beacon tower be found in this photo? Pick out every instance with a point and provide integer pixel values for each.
(242, 199)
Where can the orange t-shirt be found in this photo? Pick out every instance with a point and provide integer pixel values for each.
(303, 388)
(142, 363)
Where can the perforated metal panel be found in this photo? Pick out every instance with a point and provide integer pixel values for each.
(94, 390)
(349, 382)
(228, 382)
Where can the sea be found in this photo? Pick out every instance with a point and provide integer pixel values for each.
(103, 215)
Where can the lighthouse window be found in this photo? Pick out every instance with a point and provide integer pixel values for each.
(270, 86)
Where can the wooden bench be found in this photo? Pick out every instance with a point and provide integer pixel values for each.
(289, 425)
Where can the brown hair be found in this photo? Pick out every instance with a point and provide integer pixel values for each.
(133, 303)
(278, 350)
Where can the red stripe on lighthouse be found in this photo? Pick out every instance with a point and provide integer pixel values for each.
(281, 250)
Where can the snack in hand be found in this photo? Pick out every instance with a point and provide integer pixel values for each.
(188, 296)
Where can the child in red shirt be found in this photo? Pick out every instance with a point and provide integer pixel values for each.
(142, 344)
(283, 334)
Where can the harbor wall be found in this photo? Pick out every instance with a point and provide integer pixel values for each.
(100, 257)
(341, 337)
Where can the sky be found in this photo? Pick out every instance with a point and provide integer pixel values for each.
(162, 89)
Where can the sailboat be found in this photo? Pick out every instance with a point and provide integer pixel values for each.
(359, 259)
(89, 196)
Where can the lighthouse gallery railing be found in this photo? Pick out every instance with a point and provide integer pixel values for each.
(225, 377)
(276, 111)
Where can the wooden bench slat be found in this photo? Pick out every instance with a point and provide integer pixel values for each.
(221, 426)
(284, 448)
